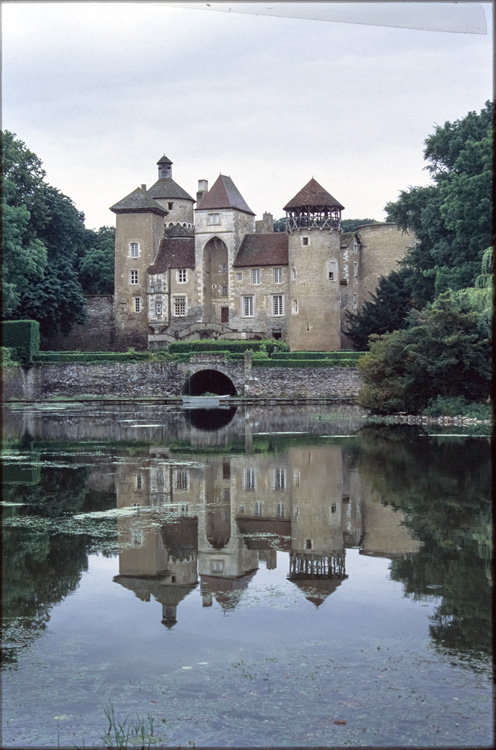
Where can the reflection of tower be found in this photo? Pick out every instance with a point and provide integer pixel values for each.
(226, 565)
(158, 558)
(317, 559)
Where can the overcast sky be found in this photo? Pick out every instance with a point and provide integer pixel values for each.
(100, 91)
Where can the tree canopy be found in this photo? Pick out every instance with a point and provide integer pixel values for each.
(451, 220)
(50, 259)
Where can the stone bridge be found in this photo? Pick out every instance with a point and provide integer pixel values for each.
(204, 373)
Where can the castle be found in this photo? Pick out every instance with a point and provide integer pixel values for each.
(214, 272)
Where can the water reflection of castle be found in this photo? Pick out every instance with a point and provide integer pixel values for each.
(214, 521)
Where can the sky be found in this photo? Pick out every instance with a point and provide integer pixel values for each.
(100, 91)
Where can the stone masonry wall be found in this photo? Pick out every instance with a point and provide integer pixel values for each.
(164, 380)
(97, 335)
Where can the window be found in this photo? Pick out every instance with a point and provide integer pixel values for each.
(247, 303)
(182, 479)
(137, 537)
(216, 566)
(241, 508)
(304, 240)
(249, 483)
(293, 273)
(170, 206)
(223, 291)
(134, 250)
(354, 301)
(182, 275)
(333, 508)
(255, 276)
(227, 495)
(257, 509)
(239, 276)
(296, 477)
(332, 270)
(133, 276)
(355, 269)
(308, 544)
(279, 480)
(139, 481)
(179, 306)
(277, 304)
(160, 480)
(277, 275)
(280, 510)
(294, 309)
(137, 304)
(331, 275)
(223, 268)
(158, 308)
(213, 219)
(184, 509)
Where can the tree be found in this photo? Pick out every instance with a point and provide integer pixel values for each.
(96, 270)
(349, 225)
(452, 218)
(44, 239)
(385, 312)
(443, 352)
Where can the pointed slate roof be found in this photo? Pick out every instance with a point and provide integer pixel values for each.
(312, 194)
(165, 187)
(164, 160)
(138, 202)
(224, 194)
(269, 249)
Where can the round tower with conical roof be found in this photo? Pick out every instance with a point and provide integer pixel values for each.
(313, 223)
(171, 196)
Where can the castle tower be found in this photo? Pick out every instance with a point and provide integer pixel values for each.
(171, 196)
(222, 219)
(313, 222)
(139, 229)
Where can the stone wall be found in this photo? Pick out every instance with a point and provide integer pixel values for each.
(165, 380)
(97, 335)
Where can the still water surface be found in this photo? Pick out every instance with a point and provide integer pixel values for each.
(254, 577)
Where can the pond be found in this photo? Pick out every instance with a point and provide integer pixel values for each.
(250, 577)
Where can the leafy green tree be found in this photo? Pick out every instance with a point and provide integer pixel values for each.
(44, 239)
(349, 225)
(452, 218)
(443, 352)
(96, 270)
(280, 225)
(385, 312)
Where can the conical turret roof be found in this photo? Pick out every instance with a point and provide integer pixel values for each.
(138, 202)
(224, 194)
(312, 194)
(165, 187)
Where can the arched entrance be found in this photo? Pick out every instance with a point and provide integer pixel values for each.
(209, 381)
(215, 282)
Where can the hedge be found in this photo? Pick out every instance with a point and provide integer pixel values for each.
(23, 337)
(339, 355)
(222, 345)
(304, 363)
(95, 357)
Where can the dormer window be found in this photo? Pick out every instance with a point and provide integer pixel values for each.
(182, 276)
(213, 219)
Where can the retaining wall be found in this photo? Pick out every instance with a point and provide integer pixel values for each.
(165, 380)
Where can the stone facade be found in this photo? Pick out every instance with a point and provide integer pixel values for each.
(215, 272)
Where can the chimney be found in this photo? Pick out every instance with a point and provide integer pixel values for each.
(202, 189)
(143, 187)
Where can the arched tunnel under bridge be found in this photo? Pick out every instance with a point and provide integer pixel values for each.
(209, 381)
